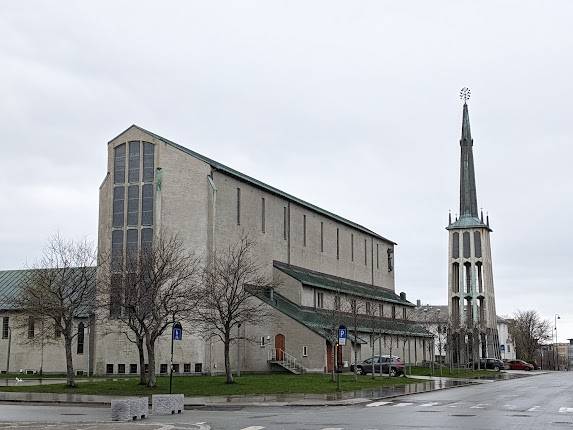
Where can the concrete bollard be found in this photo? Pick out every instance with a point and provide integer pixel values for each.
(167, 404)
(121, 410)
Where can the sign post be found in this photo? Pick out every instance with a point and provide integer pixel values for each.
(176, 334)
(342, 335)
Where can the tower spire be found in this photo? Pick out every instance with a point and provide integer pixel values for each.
(468, 196)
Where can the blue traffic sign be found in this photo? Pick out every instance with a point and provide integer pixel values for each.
(177, 331)
(342, 335)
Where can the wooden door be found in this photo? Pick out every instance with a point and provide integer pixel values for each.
(329, 357)
(279, 347)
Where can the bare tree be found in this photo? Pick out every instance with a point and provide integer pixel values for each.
(354, 308)
(61, 288)
(331, 319)
(150, 292)
(227, 299)
(528, 331)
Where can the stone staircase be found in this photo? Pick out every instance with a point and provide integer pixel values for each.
(285, 360)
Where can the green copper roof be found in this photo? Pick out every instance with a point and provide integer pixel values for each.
(321, 321)
(11, 282)
(467, 222)
(232, 172)
(341, 285)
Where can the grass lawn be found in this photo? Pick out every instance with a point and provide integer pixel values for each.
(215, 385)
(455, 373)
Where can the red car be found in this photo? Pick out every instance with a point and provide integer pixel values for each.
(519, 365)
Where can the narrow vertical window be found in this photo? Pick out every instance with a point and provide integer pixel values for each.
(263, 214)
(31, 327)
(116, 250)
(321, 236)
(284, 222)
(390, 253)
(148, 161)
(368, 308)
(456, 277)
(132, 248)
(304, 230)
(365, 253)
(466, 239)
(381, 309)
(404, 313)
(377, 256)
(238, 206)
(132, 205)
(393, 312)
(147, 204)
(146, 239)
(118, 206)
(133, 173)
(352, 247)
(456, 245)
(338, 244)
(119, 164)
(80, 345)
(477, 244)
(5, 327)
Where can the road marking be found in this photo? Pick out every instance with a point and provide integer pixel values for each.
(370, 405)
(533, 409)
(253, 428)
(479, 406)
(565, 410)
(454, 405)
(425, 405)
(401, 405)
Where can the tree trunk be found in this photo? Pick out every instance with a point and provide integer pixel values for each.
(333, 354)
(151, 377)
(70, 380)
(142, 374)
(228, 372)
(372, 341)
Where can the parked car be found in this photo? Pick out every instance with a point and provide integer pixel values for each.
(519, 365)
(391, 365)
(489, 363)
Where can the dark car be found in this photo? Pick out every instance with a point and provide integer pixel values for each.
(519, 365)
(489, 363)
(392, 366)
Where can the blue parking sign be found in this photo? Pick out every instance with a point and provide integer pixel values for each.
(342, 335)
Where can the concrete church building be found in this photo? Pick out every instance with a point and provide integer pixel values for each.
(154, 185)
(471, 296)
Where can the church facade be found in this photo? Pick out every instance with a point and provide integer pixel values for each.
(471, 296)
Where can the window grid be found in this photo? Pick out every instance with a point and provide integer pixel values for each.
(80, 341)
(5, 327)
(31, 327)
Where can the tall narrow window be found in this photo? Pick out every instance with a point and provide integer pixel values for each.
(133, 175)
(80, 345)
(263, 214)
(337, 303)
(377, 256)
(146, 239)
(119, 164)
(352, 247)
(468, 278)
(404, 313)
(477, 244)
(319, 300)
(147, 204)
(132, 205)
(131, 249)
(338, 244)
(456, 310)
(390, 253)
(5, 327)
(381, 310)
(238, 206)
(368, 308)
(148, 161)
(479, 277)
(321, 236)
(393, 312)
(456, 245)
(285, 222)
(365, 253)
(31, 327)
(456, 277)
(118, 206)
(304, 230)
(116, 250)
(466, 239)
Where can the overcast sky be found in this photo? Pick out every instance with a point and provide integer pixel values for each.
(352, 106)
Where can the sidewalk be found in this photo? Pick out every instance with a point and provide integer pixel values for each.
(426, 384)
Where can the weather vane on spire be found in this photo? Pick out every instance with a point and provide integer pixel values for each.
(465, 94)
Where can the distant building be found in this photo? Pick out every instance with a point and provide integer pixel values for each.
(471, 297)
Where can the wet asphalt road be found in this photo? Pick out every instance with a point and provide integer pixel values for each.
(537, 402)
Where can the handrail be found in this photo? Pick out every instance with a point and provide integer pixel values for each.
(278, 354)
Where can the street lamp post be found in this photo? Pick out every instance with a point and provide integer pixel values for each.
(555, 353)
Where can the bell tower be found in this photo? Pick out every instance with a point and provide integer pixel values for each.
(471, 297)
